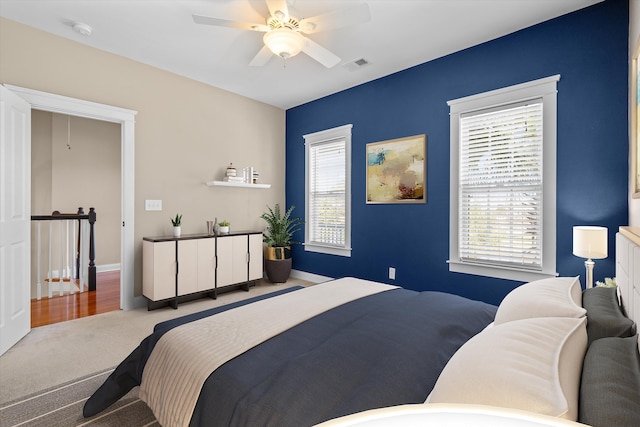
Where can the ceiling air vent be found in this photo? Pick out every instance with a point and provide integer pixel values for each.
(357, 64)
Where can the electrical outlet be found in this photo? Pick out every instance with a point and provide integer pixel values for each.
(153, 205)
(392, 273)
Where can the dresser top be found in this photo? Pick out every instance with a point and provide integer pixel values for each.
(632, 233)
(200, 236)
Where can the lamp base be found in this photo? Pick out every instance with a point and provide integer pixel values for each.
(588, 265)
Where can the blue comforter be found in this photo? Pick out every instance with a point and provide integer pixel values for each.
(381, 350)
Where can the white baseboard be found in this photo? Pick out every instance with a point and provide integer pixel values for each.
(99, 269)
(107, 267)
(315, 278)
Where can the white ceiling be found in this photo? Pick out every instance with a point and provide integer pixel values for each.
(400, 34)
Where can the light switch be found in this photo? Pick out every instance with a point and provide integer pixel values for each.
(153, 205)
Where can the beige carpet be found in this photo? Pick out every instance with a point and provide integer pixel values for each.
(54, 354)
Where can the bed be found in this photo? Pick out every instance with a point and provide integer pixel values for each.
(341, 351)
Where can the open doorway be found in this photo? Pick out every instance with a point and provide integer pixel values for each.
(76, 162)
(126, 118)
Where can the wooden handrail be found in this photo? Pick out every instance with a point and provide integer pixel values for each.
(91, 217)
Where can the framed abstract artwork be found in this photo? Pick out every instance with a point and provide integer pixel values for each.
(635, 121)
(397, 170)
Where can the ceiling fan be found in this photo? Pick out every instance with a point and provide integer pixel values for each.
(284, 31)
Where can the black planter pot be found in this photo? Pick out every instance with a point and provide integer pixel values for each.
(277, 270)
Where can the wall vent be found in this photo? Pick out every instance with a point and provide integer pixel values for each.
(356, 64)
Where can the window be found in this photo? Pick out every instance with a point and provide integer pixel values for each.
(328, 191)
(503, 178)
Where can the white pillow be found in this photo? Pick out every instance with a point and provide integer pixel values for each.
(531, 364)
(557, 297)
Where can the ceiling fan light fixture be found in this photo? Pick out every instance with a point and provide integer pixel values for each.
(284, 42)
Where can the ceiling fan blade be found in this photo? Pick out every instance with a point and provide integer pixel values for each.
(208, 20)
(351, 15)
(261, 58)
(279, 9)
(319, 53)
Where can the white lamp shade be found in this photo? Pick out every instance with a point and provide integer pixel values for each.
(284, 42)
(590, 241)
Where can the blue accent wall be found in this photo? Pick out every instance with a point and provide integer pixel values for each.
(588, 48)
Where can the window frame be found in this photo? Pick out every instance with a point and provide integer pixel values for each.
(312, 140)
(546, 90)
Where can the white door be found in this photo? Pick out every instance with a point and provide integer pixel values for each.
(15, 218)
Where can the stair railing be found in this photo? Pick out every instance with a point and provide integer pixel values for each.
(75, 252)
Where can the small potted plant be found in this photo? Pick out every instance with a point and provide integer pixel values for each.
(278, 237)
(177, 222)
(224, 226)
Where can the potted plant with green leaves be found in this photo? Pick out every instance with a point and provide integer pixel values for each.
(177, 223)
(279, 237)
(224, 226)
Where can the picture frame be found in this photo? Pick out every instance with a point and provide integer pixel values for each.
(635, 121)
(397, 171)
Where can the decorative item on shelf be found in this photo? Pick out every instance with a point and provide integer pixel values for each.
(278, 236)
(249, 176)
(590, 242)
(231, 174)
(177, 223)
(224, 226)
(210, 227)
(234, 179)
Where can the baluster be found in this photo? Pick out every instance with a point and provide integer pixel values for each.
(60, 254)
(38, 278)
(81, 250)
(50, 273)
(80, 212)
(73, 275)
(67, 268)
(92, 251)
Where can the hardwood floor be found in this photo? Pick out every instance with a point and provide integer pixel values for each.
(105, 298)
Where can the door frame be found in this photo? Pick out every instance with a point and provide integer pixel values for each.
(76, 107)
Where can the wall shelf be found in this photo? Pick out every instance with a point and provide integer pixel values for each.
(236, 184)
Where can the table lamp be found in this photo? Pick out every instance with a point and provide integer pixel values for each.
(590, 242)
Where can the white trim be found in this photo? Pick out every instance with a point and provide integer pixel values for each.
(545, 88)
(340, 132)
(329, 250)
(310, 277)
(77, 107)
(107, 267)
(507, 95)
(498, 271)
(327, 134)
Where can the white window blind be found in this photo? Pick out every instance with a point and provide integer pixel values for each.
(501, 185)
(328, 191)
(502, 210)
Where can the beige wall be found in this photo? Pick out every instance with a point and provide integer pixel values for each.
(634, 40)
(186, 131)
(88, 175)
